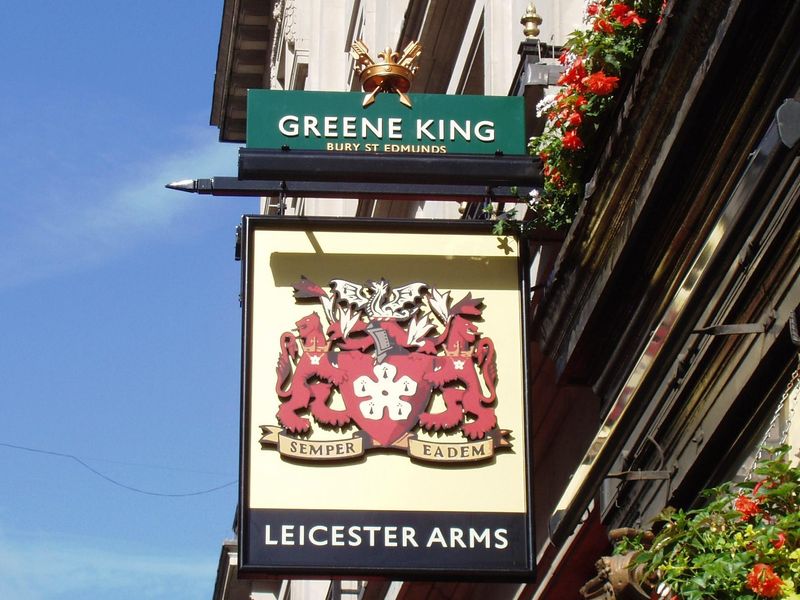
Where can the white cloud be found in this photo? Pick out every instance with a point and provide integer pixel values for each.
(81, 224)
(58, 567)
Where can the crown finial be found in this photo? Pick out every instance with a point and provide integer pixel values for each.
(531, 21)
(394, 74)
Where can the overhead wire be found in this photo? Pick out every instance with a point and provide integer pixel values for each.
(114, 481)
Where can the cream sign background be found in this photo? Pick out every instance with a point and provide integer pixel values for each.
(480, 264)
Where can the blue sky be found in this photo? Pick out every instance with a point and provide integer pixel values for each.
(118, 303)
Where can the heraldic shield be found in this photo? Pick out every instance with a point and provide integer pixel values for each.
(387, 353)
(386, 402)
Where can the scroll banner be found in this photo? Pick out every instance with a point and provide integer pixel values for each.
(354, 447)
(300, 449)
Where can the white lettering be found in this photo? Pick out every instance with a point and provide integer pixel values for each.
(268, 541)
(390, 537)
(313, 539)
(464, 131)
(408, 537)
(330, 126)
(456, 538)
(501, 542)
(288, 125)
(371, 530)
(484, 131)
(337, 535)
(355, 537)
(287, 535)
(310, 126)
(425, 129)
(349, 127)
(422, 128)
(436, 537)
(376, 131)
(479, 538)
(395, 128)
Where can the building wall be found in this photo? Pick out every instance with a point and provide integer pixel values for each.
(469, 46)
(717, 73)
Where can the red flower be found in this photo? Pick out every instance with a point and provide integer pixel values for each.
(619, 9)
(593, 8)
(574, 74)
(778, 544)
(763, 581)
(631, 18)
(572, 141)
(625, 15)
(558, 117)
(603, 25)
(574, 119)
(601, 84)
(767, 482)
(747, 506)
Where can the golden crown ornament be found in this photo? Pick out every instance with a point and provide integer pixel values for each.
(392, 74)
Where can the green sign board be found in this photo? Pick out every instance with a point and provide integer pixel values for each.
(336, 121)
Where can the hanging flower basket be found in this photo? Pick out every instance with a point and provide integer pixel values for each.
(595, 61)
(742, 546)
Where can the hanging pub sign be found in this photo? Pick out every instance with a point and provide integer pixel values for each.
(384, 400)
(337, 121)
(395, 122)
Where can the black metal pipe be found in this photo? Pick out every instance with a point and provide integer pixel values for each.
(231, 186)
(442, 169)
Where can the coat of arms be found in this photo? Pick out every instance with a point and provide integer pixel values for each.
(387, 353)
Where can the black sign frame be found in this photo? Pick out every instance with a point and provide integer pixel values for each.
(385, 548)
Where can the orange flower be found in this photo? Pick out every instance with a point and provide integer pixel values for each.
(747, 506)
(764, 582)
(601, 84)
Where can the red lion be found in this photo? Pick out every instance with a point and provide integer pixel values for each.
(314, 375)
(460, 364)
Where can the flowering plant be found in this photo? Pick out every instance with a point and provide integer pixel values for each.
(595, 60)
(743, 545)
